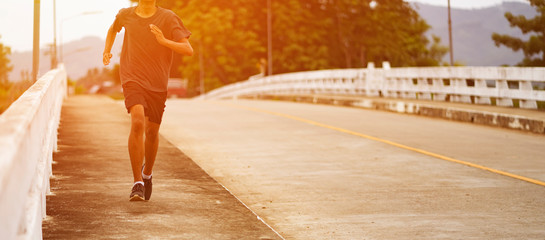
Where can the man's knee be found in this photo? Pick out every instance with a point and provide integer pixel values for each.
(137, 125)
(152, 129)
(138, 119)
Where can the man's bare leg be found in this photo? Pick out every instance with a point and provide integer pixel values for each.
(152, 144)
(136, 140)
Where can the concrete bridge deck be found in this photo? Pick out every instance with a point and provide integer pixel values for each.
(309, 171)
(92, 181)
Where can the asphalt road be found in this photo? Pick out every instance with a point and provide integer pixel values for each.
(326, 172)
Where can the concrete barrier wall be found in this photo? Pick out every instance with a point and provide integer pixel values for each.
(28, 137)
(503, 86)
(421, 108)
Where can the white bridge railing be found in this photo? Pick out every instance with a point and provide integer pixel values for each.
(28, 137)
(503, 86)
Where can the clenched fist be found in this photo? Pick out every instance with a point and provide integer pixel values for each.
(106, 58)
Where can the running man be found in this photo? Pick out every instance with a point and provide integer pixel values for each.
(152, 34)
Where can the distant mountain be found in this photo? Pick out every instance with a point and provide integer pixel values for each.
(79, 56)
(472, 31)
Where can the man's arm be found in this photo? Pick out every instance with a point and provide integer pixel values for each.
(110, 38)
(182, 47)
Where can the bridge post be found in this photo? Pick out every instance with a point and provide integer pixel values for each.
(460, 90)
(455, 84)
(375, 81)
(502, 93)
(438, 90)
(408, 87)
(424, 87)
(526, 88)
(480, 86)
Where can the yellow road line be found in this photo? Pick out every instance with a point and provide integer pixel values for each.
(530, 180)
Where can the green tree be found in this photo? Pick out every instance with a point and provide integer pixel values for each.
(9, 91)
(432, 56)
(535, 45)
(300, 36)
(5, 66)
(375, 31)
(226, 36)
(231, 37)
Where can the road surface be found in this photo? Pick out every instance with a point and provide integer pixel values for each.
(326, 172)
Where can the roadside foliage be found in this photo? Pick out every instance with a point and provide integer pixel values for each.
(231, 37)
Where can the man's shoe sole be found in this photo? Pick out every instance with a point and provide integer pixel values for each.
(136, 198)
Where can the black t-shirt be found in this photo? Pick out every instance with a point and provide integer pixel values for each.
(143, 59)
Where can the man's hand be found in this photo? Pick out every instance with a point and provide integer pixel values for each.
(158, 34)
(106, 58)
(183, 47)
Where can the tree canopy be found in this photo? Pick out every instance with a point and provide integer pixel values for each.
(9, 91)
(5, 66)
(535, 45)
(231, 36)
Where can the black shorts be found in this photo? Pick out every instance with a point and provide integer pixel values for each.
(153, 102)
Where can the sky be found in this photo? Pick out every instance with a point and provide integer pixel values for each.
(79, 18)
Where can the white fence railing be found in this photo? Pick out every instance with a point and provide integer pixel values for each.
(504, 86)
(28, 137)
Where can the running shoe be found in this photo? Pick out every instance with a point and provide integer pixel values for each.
(137, 193)
(147, 185)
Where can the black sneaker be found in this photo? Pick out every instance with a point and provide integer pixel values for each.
(147, 185)
(137, 193)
